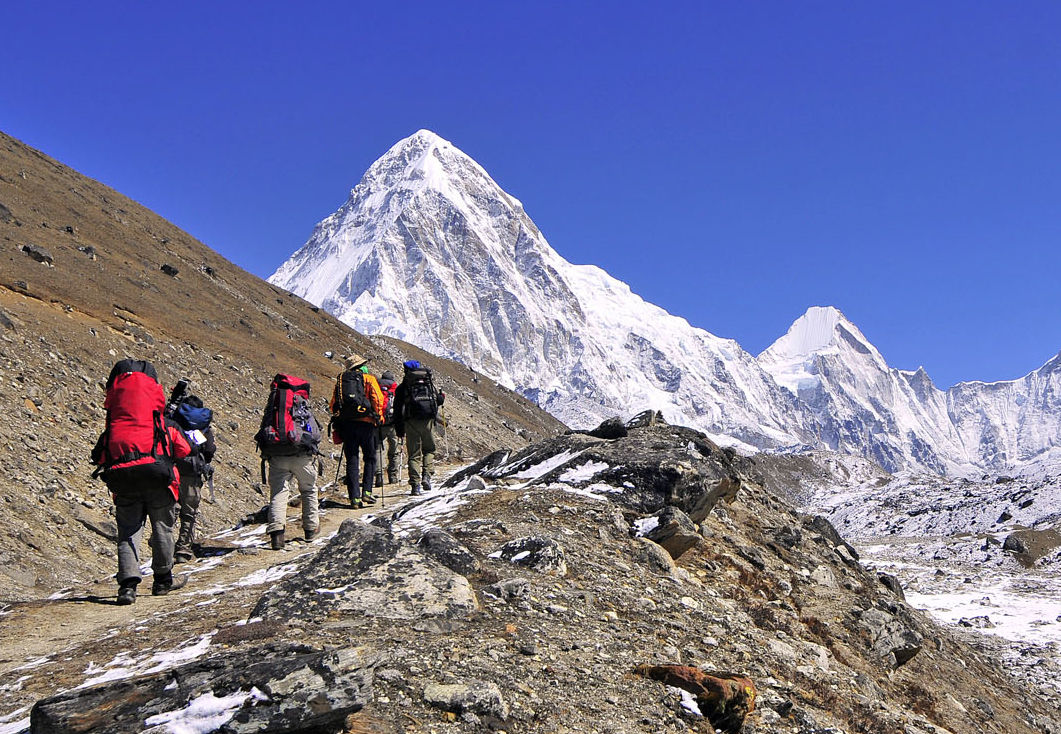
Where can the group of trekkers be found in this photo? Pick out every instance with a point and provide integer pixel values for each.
(155, 454)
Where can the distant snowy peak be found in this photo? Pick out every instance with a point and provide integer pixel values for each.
(822, 330)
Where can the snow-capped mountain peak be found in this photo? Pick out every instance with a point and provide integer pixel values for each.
(822, 331)
(429, 249)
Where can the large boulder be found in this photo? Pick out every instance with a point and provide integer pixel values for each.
(893, 641)
(672, 529)
(367, 571)
(271, 688)
(653, 466)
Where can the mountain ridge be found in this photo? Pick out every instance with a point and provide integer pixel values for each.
(448, 260)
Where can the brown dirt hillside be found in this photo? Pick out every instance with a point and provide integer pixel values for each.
(87, 277)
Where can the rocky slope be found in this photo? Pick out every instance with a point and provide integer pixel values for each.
(611, 582)
(88, 277)
(428, 248)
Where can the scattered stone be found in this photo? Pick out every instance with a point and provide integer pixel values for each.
(982, 622)
(477, 697)
(892, 584)
(541, 554)
(38, 253)
(169, 270)
(1014, 544)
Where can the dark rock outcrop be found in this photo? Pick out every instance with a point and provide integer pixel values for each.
(271, 688)
(653, 466)
(448, 551)
(544, 555)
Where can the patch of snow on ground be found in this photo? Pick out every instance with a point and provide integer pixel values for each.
(533, 472)
(268, 575)
(646, 525)
(126, 666)
(583, 473)
(688, 701)
(204, 714)
(34, 663)
(7, 726)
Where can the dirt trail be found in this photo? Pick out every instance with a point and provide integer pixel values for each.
(80, 634)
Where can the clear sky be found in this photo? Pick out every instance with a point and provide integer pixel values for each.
(734, 163)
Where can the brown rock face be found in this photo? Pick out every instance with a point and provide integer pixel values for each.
(724, 698)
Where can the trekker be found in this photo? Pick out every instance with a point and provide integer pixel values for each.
(288, 440)
(136, 457)
(416, 408)
(357, 408)
(388, 386)
(194, 420)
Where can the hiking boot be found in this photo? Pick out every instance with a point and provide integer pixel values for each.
(277, 539)
(368, 499)
(427, 484)
(127, 593)
(355, 502)
(183, 556)
(165, 584)
(392, 477)
(416, 490)
(311, 534)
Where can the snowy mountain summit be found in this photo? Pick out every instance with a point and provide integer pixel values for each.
(429, 249)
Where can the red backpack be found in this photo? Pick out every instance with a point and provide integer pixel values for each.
(388, 402)
(288, 426)
(135, 448)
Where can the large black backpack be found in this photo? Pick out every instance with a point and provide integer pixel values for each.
(354, 403)
(421, 397)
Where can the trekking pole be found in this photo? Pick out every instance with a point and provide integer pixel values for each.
(338, 466)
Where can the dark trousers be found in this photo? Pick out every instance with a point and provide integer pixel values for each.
(358, 435)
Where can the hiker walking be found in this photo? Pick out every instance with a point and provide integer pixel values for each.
(416, 408)
(288, 440)
(136, 457)
(357, 409)
(194, 420)
(388, 386)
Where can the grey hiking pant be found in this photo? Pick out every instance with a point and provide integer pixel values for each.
(388, 434)
(303, 469)
(420, 441)
(131, 509)
(191, 494)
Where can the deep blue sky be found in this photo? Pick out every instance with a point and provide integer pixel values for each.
(735, 163)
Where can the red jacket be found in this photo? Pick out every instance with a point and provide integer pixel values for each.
(180, 450)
